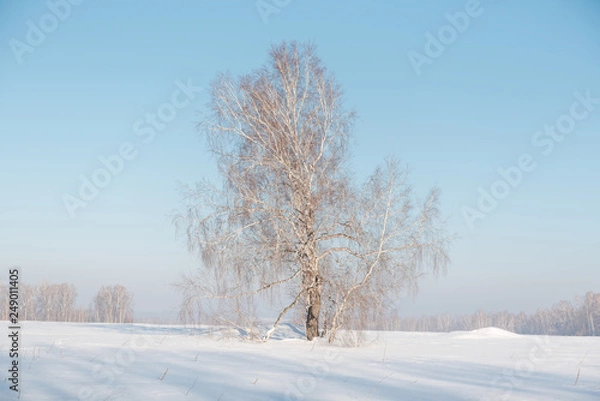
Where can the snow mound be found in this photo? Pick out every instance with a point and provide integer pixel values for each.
(494, 332)
(486, 332)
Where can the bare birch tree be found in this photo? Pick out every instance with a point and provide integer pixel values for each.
(113, 304)
(55, 302)
(45, 301)
(288, 214)
(65, 302)
(4, 301)
(591, 306)
(27, 302)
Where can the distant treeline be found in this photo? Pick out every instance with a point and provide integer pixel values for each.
(56, 302)
(579, 318)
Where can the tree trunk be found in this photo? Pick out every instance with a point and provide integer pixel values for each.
(313, 309)
(303, 201)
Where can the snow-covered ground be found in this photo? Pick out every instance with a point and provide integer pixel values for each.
(103, 362)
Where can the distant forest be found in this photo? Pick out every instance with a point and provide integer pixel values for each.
(579, 318)
(56, 302)
(114, 304)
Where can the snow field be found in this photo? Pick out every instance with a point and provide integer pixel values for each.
(107, 362)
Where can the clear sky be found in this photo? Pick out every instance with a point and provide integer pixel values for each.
(81, 82)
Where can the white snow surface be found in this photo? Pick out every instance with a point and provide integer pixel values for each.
(109, 362)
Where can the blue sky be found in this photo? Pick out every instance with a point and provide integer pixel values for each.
(74, 95)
